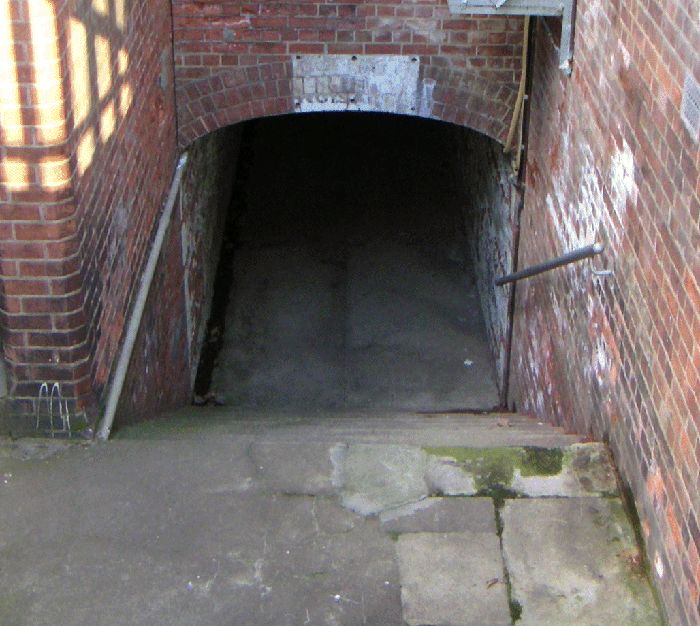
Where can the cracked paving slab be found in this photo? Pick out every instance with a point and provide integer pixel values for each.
(373, 478)
(575, 562)
(254, 530)
(441, 515)
(182, 532)
(452, 579)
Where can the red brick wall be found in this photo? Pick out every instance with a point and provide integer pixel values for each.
(41, 304)
(88, 150)
(234, 59)
(158, 375)
(206, 195)
(88, 146)
(123, 154)
(167, 350)
(609, 159)
(492, 202)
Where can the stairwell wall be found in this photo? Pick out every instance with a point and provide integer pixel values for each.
(610, 159)
(168, 346)
(492, 199)
(87, 151)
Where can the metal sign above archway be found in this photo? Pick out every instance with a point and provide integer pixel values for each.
(558, 8)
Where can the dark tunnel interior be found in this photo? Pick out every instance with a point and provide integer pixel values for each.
(345, 280)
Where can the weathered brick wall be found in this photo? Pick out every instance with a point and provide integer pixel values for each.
(158, 376)
(123, 152)
(205, 204)
(492, 202)
(41, 306)
(167, 349)
(619, 357)
(88, 146)
(88, 150)
(236, 60)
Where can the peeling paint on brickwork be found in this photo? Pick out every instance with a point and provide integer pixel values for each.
(164, 365)
(203, 202)
(425, 108)
(612, 356)
(590, 220)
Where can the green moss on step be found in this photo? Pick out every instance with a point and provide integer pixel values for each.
(638, 577)
(493, 469)
(13, 608)
(156, 428)
(458, 454)
(499, 494)
(541, 462)
(516, 610)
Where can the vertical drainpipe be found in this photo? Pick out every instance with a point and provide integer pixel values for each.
(526, 89)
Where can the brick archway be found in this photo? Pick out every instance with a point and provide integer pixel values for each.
(239, 94)
(236, 61)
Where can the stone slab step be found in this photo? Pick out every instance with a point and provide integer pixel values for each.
(272, 529)
(454, 579)
(575, 561)
(438, 429)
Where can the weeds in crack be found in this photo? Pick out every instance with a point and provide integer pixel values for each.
(516, 609)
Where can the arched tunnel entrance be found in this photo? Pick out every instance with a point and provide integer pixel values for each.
(356, 248)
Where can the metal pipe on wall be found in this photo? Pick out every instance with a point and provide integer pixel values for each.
(565, 259)
(134, 323)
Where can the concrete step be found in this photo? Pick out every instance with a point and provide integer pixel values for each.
(213, 517)
(476, 430)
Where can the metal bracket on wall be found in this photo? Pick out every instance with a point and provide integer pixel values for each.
(565, 259)
(557, 8)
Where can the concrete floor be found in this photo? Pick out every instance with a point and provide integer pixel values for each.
(217, 518)
(351, 283)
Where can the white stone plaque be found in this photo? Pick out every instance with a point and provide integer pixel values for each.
(343, 82)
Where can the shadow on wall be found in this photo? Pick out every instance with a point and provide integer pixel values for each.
(3, 381)
(100, 94)
(491, 213)
(84, 168)
(56, 111)
(167, 351)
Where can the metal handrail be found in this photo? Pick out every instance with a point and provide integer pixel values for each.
(570, 257)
